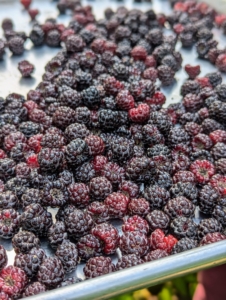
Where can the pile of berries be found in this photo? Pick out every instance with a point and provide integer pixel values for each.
(94, 141)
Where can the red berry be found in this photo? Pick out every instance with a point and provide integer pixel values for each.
(33, 12)
(192, 71)
(26, 3)
(178, 28)
(125, 100)
(139, 53)
(150, 73)
(158, 240)
(203, 82)
(221, 62)
(203, 170)
(117, 205)
(2, 154)
(108, 235)
(34, 142)
(219, 19)
(140, 114)
(150, 62)
(12, 281)
(218, 136)
(218, 182)
(135, 223)
(32, 161)
(99, 162)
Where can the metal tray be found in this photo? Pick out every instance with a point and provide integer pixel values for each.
(143, 275)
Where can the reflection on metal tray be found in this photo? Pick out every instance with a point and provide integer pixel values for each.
(10, 81)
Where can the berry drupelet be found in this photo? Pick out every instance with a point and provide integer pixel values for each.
(98, 266)
(51, 272)
(67, 253)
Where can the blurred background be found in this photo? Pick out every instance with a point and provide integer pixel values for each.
(181, 288)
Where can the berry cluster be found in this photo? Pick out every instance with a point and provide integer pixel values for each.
(94, 141)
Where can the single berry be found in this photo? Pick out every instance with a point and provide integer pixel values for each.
(212, 238)
(25, 68)
(156, 196)
(218, 182)
(158, 240)
(79, 194)
(100, 188)
(157, 219)
(179, 206)
(57, 234)
(34, 288)
(134, 243)
(183, 227)
(203, 170)
(117, 205)
(155, 254)
(51, 272)
(30, 262)
(135, 223)
(127, 261)
(138, 207)
(206, 226)
(78, 223)
(192, 71)
(98, 266)
(108, 235)
(98, 211)
(89, 246)
(9, 223)
(67, 253)
(36, 219)
(12, 281)
(24, 241)
(183, 245)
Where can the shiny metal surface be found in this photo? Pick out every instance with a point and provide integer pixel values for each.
(10, 81)
(141, 276)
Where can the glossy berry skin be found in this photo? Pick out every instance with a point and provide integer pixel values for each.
(3, 257)
(117, 205)
(129, 239)
(13, 275)
(50, 159)
(68, 255)
(140, 114)
(179, 206)
(57, 234)
(79, 194)
(139, 207)
(158, 240)
(127, 261)
(34, 288)
(25, 68)
(36, 219)
(157, 219)
(78, 223)
(108, 235)
(135, 223)
(30, 262)
(183, 227)
(100, 188)
(183, 245)
(209, 225)
(24, 241)
(98, 266)
(155, 254)
(89, 246)
(51, 272)
(218, 183)
(9, 223)
(99, 212)
(156, 196)
(212, 238)
(55, 194)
